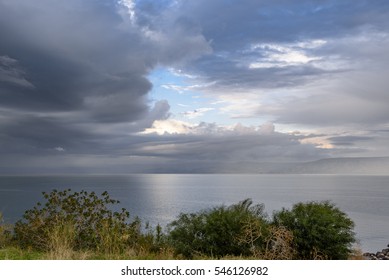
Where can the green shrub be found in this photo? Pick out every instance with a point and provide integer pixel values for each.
(5, 233)
(2, 235)
(81, 220)
(320, 230)
(220, 231)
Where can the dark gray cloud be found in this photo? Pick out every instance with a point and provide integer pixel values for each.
(232, 26)
(227, 147)
(73, 56)
(348, 140)
(71, 72)
(169, 153)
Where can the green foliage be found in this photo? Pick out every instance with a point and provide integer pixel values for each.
(219, 231)
(5, 233)
(152, 241)
(16, 253)
(80, 225)
(2, 234)
(320, 230)
(79, 220)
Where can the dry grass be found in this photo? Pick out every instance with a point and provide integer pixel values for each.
(357, 254)
(279, 245)
(278, 241)
(61, 241)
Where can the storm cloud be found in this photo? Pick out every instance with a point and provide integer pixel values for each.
(71, 69)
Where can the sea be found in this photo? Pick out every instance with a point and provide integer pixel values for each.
(160, 198)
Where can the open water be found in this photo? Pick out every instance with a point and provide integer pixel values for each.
(159, 198)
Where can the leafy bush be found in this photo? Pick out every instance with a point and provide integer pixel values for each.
(320, 230)
(79, 220)
(2, 234)
(5, 232)
(220, 231)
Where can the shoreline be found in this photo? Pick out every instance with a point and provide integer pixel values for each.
(379, 255)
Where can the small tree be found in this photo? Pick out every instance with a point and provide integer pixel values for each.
(219, 231)
(320, 230)
(80, 219)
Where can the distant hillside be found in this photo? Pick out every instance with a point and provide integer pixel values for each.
(357, 165)
(371, 165)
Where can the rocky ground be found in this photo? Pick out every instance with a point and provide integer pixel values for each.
(380, 255)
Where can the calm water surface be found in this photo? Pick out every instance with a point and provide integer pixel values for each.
(160, 198)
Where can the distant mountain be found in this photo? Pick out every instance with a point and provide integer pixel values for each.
(357, 165)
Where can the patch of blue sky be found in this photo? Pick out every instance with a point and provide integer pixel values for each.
(189, 104)
(186, 103)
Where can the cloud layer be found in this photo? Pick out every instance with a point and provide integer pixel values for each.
(75, 83)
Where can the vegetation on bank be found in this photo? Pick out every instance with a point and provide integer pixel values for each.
(81, 225)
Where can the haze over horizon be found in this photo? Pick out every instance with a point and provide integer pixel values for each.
(128, 86)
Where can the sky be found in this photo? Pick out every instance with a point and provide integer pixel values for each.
(142, 86)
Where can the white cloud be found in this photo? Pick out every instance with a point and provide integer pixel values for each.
(267, 128)
(169, 126)
(172, 126)
(285, 55)
(197, 113)
(186, 88)
(181, 73)
(129, 5)
(59, 149)
(242, 105)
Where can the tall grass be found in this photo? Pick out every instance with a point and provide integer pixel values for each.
(61, 241)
